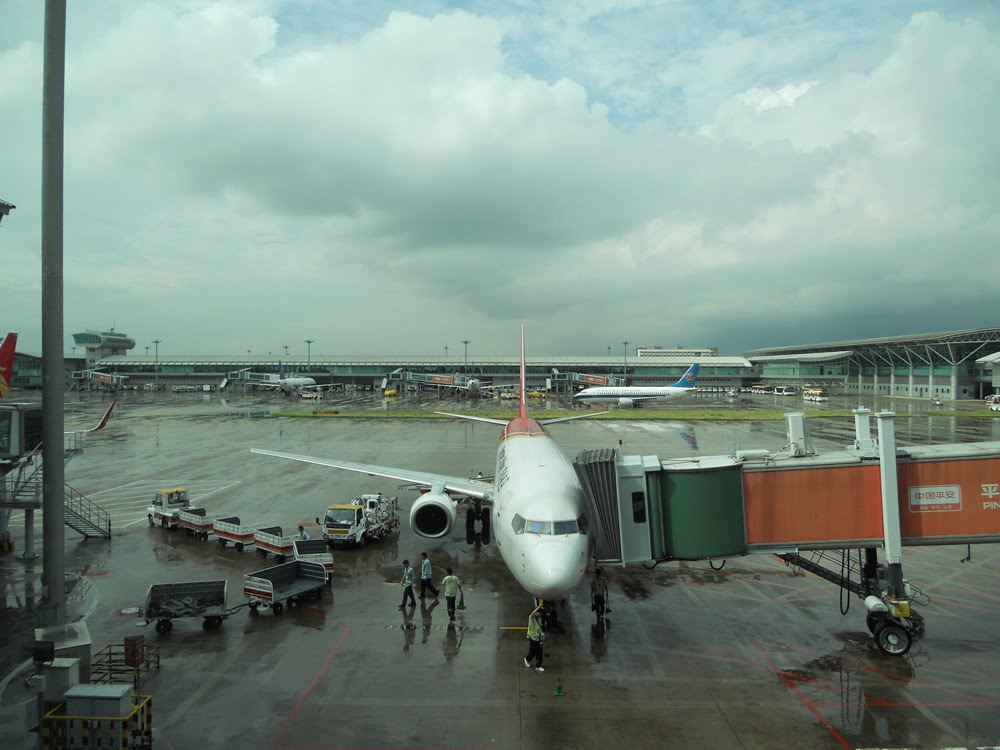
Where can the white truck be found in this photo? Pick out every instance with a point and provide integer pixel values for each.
(167, 507)
(366, 518)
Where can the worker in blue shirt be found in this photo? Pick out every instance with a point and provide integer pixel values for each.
(426, 584)
(407, 584)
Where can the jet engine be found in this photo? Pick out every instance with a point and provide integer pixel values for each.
(627, 402)
(433, 515)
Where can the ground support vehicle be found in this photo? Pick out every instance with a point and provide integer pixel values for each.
(166, 507)
(366, 518)
(230, 530)
(284, 584)
(314, 550)
(195, 522)
(270, 540)
(166, 602)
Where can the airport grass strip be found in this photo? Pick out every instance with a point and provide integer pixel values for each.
(628, 415)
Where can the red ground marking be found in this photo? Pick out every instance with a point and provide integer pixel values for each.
(805, 701)
(283, 730)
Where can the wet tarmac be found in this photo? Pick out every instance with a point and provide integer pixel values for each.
(756, 655)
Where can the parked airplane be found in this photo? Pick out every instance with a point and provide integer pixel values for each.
(280, 382)
(7, 363)
(99, 426)
(538, 517)
(634, 396)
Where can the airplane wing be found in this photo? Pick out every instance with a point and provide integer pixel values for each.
(488, 420)
(570, 419)
(471, 487)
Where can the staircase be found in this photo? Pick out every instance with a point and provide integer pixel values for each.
(23, 491)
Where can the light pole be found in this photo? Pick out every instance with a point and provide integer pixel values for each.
(446, 351)
(147, 352)
(466, 342)
(309, 344)
(156, 368)
(285, 347)
(626, 343)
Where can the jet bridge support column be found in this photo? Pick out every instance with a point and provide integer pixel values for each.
(890, 504)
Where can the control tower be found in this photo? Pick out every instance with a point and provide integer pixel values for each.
(101, 344)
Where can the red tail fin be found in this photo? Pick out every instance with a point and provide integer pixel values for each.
(523, 413)
(7, 363)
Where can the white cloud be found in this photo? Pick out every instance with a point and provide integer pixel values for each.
(419, 180)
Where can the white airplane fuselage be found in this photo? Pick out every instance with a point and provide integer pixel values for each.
(612, 395)
(536, 482)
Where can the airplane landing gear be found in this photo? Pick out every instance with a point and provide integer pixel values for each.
(482, 515)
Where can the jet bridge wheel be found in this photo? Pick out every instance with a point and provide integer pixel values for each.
(873, 621)
(893, 639)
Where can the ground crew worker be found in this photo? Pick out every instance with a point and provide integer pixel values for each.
(598, 594)
(535, 639)
(407, 583)
(303, 534)
(452, 586)
(426, 581)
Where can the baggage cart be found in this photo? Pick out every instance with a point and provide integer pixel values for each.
(269, 539)
(166, 602)
(195, 522)
(284, 584)
(314, 550)
(230, 530)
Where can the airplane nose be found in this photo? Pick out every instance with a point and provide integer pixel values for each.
(555, 569)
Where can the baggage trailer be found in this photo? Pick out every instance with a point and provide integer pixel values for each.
(195, 522)
(166, 602)
(314, 550)
(285, 583)
(166, 507)
(230, 530)
(270, 540)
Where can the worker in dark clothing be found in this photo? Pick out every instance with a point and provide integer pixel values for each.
(598, 594)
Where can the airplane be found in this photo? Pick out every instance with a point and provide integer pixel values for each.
(538, 508)
(473, 386)
(100, 425)
(281, 382)
(634, 396)
(7, 363)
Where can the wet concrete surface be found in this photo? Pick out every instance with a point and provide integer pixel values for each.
(756, 655)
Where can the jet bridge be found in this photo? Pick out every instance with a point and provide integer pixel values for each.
(800, 506)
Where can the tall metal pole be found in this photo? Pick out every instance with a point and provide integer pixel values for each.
(446, 351)
(309, 346)
(53, 366)
(466, 342)
(626, 343)
(156, 368)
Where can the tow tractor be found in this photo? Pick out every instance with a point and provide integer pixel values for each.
(167, 507)
(366, 518)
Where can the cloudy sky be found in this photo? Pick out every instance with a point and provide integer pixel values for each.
(393, 178)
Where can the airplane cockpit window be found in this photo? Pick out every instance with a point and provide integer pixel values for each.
(547, 528)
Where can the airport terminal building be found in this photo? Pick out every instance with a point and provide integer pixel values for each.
(950, 365)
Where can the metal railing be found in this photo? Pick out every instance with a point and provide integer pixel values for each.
(108, 665)
(132, 732)
(86, 516)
